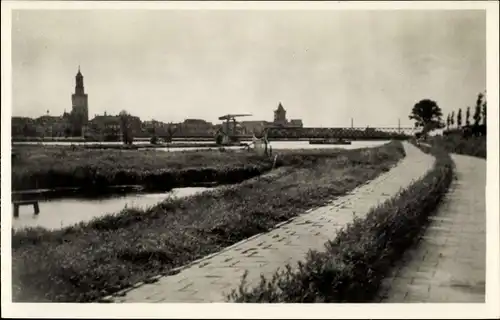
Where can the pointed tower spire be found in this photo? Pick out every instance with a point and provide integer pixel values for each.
(280, 106)
(79, 89)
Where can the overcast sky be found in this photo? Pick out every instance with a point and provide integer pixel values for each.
(324, 66)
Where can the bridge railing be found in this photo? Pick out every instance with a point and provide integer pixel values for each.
(345, 133)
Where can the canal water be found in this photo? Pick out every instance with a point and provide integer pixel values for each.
(290, 145)
(59, 213)
(274, 144)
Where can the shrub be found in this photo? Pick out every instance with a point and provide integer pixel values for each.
(355, 262)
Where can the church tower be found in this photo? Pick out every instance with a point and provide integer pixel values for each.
(280, 115)
(80, 109)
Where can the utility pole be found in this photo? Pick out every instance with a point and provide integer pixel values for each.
(352, 123)
(399, 125)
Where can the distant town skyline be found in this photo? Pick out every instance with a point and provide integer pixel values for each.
(325, 67)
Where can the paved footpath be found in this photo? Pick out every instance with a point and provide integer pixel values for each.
(448, 264)
(211, 278)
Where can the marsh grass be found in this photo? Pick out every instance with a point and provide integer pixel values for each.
(353, 265)
(91, 260)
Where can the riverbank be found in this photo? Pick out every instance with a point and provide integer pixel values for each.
(95, 259)
(173, 145)
(136, 146)
(62, 212)
(88, 140)
(50, 167)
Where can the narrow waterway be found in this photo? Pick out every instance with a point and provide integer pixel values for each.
(274, 144)
(290, 145)
(59, 213)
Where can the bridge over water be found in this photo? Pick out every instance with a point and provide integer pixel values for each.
(353, 133)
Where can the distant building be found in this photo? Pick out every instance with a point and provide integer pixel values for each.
(23, 126)
(54, 126)
(150, 127)
(109, 126)
(158, 128)
(280, 116)
(80, 108)
(251, 127)
(105, 127)
(280, 119)
(196, 127)
(296, 123)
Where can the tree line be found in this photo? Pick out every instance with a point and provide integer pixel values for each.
(428, 115)
(479, 117)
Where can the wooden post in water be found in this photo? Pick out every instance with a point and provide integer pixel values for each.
(36, 207)
(16, 211)
(17, 204)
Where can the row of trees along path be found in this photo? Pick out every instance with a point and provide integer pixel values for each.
(448, 264)
(479, 116)
(428, 115)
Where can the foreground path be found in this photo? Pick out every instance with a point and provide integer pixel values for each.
(448, 264)
(211, 278)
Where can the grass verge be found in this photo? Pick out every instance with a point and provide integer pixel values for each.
(50, 167)
(95, 259)
(354, 264)
(456, 143)
(173, 145)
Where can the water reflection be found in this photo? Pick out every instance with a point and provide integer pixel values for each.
(60, 213)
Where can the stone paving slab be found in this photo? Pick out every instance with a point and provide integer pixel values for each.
(209, 280)
(449, 262)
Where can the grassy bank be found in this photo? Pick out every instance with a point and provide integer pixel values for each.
(95, 259)
(456, 143)
(173, 145)
(354, 264)
(37, 167)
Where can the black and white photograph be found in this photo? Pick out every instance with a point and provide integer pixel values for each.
(238, 155)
